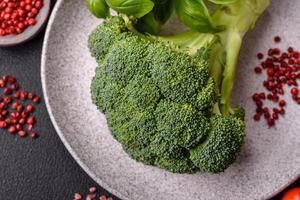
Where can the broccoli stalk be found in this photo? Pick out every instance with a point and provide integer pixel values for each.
(238, 18)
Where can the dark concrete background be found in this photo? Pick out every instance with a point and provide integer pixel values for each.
(39, 169)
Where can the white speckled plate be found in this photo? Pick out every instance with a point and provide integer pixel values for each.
(270, 158)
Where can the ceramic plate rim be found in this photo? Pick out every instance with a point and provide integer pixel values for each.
(61, 135)
(49, 109)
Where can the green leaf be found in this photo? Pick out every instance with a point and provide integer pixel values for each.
(148, 24)
(223, 2)
(195, 15)
(98, 8)
(136, 8)
(163, 10)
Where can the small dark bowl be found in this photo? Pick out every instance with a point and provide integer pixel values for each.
(29, 32)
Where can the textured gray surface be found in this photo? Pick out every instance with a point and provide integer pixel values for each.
(40, 169)
(266, 164)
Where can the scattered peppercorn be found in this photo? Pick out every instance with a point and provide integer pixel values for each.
(92, 195)
(277, 39)
(281, 68)
(16, 109)
(17, 15)
(260, 56)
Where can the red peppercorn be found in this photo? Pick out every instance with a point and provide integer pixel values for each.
(30, 96)
(30, 120)
(28, 7)
(92, 189)
(22, 121)
(17, 95)
(23, 95)
(262, 95)
(34, 135)
(15, 105)
(24, 114)
(22, 4)
(266, 110)
(260, 56)
(19, 127)
(259, 103)
(3, 124)
(270, 71)
(280, 91)
(290, 49)
(2, 105)
(256, 97)
(31, 21)
(267, 115)
(271, 122)
(256, 117)
(14, 86)
(7, 91)
(276, 110)
(275, 116)
(270, 97)
(22, 133)
(259, 110)
(11, 79)
(2, 84)
(38, 4)
(277, 39)
(36, 99)
(29, 127)
(19, 108)
(7, 99)
(258, 70)
(29, 108)
(294, 91)
(12, 130)
(296, 54)
(282, 103)
(77, 196)
(4, 112)
(102, 197)
(91, 196)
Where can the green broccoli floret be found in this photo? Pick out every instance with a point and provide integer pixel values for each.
(220, 148)
(179, 76)
(127, 58)
(105, 93)
(134, 129)
(181, 124)
(167, 98)
(105, 35)
(178, 165)
(142, 92)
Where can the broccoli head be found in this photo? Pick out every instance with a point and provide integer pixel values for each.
(167, 98)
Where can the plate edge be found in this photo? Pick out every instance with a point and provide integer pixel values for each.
(65, 142)
(58, 131)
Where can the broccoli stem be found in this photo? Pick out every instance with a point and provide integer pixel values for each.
(238, 18)
(232, 46)
(191, 41)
